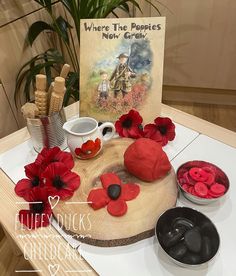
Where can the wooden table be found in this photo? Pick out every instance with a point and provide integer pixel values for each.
(8, 208)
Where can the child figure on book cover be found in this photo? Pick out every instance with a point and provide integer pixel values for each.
(119, 73)
(104, 86)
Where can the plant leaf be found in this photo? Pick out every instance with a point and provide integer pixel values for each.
(62, 25)
(72, 83)
(36, 28)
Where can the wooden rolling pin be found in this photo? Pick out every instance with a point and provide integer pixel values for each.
(41, 97)
(57, 95)
(64, 73)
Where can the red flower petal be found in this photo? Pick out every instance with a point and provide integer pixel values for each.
(88, 146)
(135, 133)
(47, 156)
(166, 128)
(128, 125)
(99, 198)
(151, 132)
(39, 194)
(58, 172)
(23, 188)
(54, 169)
(78, 151)
(129, 191)
(117, 207)
(33, 218)
(64, 157)
(72, 181)
(109, 178)
(32, 170)
(137, 119)
(89, 149)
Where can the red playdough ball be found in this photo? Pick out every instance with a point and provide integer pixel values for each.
(146, 160)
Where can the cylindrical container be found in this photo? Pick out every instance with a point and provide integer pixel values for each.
(47, 131)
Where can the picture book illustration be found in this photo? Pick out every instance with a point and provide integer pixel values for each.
(121, 67)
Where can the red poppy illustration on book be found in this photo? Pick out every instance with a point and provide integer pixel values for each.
(88, 149)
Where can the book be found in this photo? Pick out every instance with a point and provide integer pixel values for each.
(121, 67)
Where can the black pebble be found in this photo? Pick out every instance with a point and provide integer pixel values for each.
(193, 240)
(191, 258)
(173, 237)
(183, 223)
(206, 248)
(178, 251)
(114, 191)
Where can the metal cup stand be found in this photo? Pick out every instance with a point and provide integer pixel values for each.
(47, 131)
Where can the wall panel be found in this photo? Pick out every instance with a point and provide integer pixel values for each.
(200, 42)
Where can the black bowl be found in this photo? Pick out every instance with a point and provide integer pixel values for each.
(176, 233)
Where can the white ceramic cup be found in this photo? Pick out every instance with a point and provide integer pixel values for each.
(85, 138)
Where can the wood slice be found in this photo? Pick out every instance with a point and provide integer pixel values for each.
(99, 227)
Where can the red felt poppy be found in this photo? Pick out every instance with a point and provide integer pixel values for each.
(89, 149)
(24, 186)
(60, 181)
(162, 131)
(130, 125)
(48, 156)
(39, 212)
(114, 195)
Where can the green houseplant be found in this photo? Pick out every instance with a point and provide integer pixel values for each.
(51, 60)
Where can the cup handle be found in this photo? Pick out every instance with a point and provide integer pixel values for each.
(108, 136)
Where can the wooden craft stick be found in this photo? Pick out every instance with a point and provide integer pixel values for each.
(30, 110)
(65, 71)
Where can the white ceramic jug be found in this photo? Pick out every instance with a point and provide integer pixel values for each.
(85, 138)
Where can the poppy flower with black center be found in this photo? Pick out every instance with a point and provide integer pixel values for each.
(60, 181)
(114, 195)
(130, 125)
(25, 185)
(47, 156)
(39, 212)
(162, 131)
(89, 149)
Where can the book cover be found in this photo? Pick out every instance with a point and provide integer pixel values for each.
(121, 67)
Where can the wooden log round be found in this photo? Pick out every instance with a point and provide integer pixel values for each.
(100, 228)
